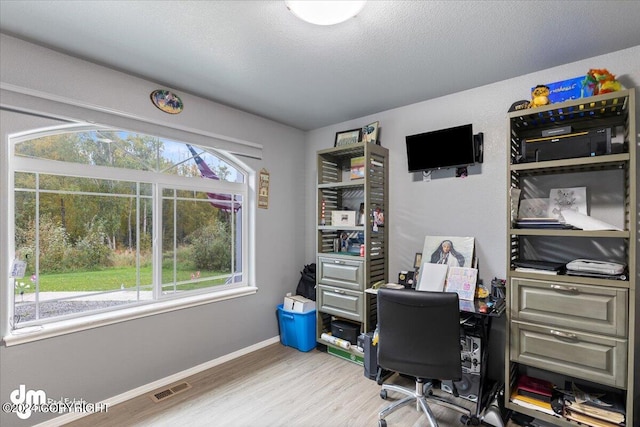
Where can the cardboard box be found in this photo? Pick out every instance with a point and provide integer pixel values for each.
(298, 304)
(346, 355)
(343, 218)
(566, 90)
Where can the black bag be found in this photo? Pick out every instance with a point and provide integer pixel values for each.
(307, 284)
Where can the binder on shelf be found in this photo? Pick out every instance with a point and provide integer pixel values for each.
(535, 270)
(545, 267)
(535, 388)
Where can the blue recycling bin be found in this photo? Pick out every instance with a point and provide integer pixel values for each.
(297, 330)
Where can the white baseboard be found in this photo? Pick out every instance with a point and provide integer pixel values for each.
(147, 388)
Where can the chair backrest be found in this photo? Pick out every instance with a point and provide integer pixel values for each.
(419, 333)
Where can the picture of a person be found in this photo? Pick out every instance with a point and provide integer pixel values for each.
(446, 254)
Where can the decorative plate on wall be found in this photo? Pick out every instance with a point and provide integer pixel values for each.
(167, 101)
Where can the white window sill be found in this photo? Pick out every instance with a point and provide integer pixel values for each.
(49, 330)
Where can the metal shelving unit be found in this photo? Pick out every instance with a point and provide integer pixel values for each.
(567, 328)
(343, 277)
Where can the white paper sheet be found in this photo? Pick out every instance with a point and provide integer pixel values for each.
(432, 277)
(586, 222)
(564, 199)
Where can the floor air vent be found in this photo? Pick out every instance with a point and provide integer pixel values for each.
(168, 392)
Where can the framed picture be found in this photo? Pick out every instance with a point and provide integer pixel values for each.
(348, 137)
(370, 133)
(345, 218)
(450, 250)
(417, 261)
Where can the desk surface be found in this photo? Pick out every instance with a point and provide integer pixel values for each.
(482, 306)
(485, 306)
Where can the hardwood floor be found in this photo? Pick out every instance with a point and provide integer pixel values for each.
(274, 386)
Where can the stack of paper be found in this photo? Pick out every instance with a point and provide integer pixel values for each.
(532, 403)
(546, 223)
(592, 407)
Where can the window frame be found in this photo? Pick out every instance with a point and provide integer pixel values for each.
(157, 254)
(160, 303)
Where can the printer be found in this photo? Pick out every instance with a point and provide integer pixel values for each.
(550, 146)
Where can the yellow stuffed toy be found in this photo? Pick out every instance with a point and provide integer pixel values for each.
(539, 96)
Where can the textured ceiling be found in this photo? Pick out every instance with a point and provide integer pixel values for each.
(258, 57)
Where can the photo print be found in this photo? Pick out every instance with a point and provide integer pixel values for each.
(452, 251)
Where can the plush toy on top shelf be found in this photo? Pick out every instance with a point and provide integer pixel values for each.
(599, 81)
(539, 96)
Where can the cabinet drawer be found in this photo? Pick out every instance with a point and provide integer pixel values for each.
(592, 357)
(596, 309)
(341, 302)
(346, 274)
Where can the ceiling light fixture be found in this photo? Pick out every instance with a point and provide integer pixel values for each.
(325, 12)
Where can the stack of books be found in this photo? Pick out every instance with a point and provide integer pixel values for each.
(545, 223)
(533, 393)
(592, 407)
(541, 267)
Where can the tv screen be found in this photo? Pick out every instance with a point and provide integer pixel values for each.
(444, 148)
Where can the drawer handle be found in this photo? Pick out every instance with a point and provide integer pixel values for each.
(565, 335)
(564, 288)
(338, 291)
(338, 261)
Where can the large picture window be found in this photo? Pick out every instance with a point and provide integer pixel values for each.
(109, 219)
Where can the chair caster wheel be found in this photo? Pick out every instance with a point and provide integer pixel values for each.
(470, 421)
(382, 423)
(383, 396)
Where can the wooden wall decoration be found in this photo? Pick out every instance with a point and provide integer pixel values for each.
(263, 189)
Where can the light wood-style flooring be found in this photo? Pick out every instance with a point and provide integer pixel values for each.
(274, 386)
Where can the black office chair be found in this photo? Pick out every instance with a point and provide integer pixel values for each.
(419, 336)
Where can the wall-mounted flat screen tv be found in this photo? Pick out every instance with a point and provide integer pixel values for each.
(440, 149)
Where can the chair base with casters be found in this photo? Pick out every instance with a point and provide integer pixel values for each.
(419, 337)
(422, 396)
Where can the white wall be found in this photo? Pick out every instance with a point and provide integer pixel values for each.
(473, 206)
(101, 363)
